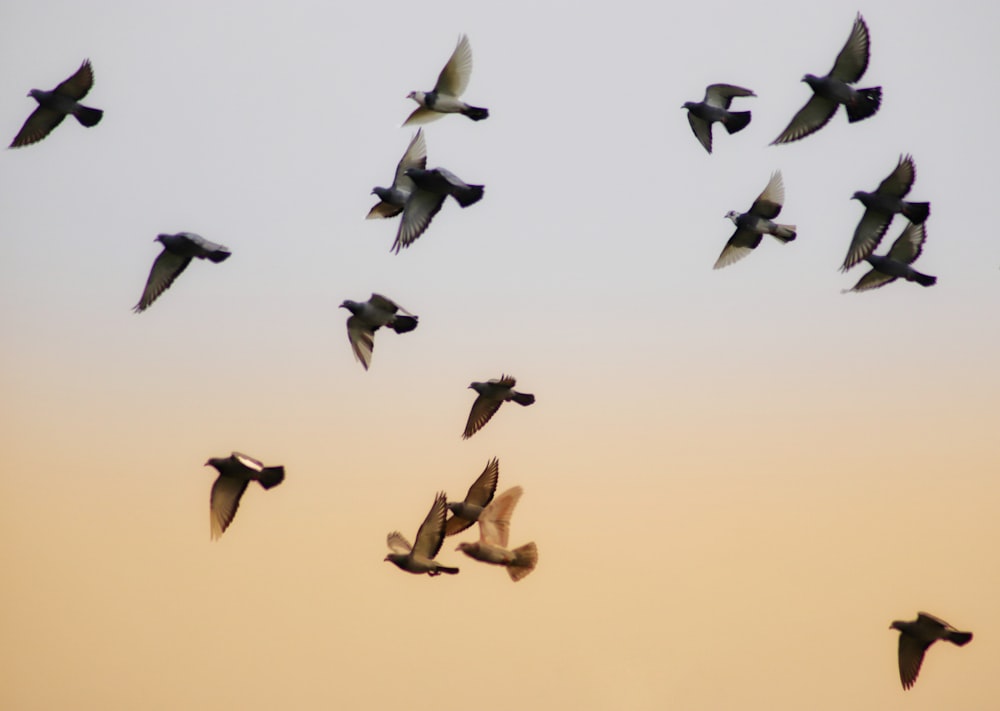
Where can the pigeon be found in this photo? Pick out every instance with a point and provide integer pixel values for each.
(914, 639)
(715, 107)
(178, 251)
(451, 84)
(369, 316)
(492, 394)
(880, 206)
(392, 199)
(465, 513)
(420, 558)
(235, 472)
(752, 225)
(896, 264)
(431, 189)
(835, 88)
(53, 106)
(494, 527)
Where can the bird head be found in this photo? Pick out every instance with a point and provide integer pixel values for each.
(732, 215)
(454, 507)
(859, 195)
(351, 306)
(688, 105)
(897, 625)
(415, 95)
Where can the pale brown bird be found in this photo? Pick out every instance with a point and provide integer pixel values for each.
(465, 513)
(235, 472)
(492, 394)
(494, 530)
(55, 105)
(419, 558)
(914, 639)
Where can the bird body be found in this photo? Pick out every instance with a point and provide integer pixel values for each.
(834, 89)
(419, 558)
(178, 251)
(881, 206)
(492, 394)
(369, 316)
(451, 84)
(714, 108)
(235, 473)
(494, 529)
(914, 639)
(756, 222)
(55, 105)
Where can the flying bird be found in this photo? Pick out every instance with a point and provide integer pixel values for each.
(235, 472)
(715, 108)
(393, 198)
(419, 558)
(431, 187)
(835, 88)
(465, 513)
(880, 206)
(451, 84)
(752, 225)
(178, 251)
(896, 263)
(369, 316)
(494, 528)
(914, 639)
(53, 106)
(492, 394)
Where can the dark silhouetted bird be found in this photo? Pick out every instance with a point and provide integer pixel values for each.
(494, 529)
(752, 225)
(235, 472)
(178, 251)
(880, 206)
(835, 88)
(369, 316)
(896, 263)
(451, 84)
(419, 558)
(715, 108)
(465, 513)
(492, 394)
(914, 639)
(393, 198)
(53, 107)
(431, 187)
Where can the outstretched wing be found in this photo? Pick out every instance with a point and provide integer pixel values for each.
(431, 533)
(494, 521)
(455, 75)
(853, 58)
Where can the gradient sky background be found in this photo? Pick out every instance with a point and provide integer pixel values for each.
(736, 479)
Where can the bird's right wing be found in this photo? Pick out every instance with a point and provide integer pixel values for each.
(911, 655)
(867, 235)
(721, 95)
(909, 244)
(812, 117)
(223, 502)
(431, 532)
(455, 75)
(742, 243)
(77, 86)
(768, 203)
(420, 209)
(167, 267)
(415, 157)
(39, 125)
(482, 490)
(702, 131)
(397, 543)
(482, 410)
(362, 340)
(494, 521)
(872, 280)
(853, 58)
(900, 180)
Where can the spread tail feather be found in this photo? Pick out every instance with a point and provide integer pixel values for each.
(737, 121)
(88, 116)
(523, 398)
(916, 212)
(960, 638)
(786, 233)
(467, 196)
(447, 570)
(403, 324)
(271, 476)
(870, 100)
(923, 279)
(475, 113)
(525, 560)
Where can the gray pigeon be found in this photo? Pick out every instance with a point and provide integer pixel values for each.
(835, 88)
(235, 472)
(492, 394)
(419, 558)
(393, 198)
(53, 106)
(494, 528)
(752, 225)
(369, 316)
(451, 84)
(914, 639)
(431, 189)
(880, 206)
(178, 251)
(896, 264)
(715, 108)
(465, 513)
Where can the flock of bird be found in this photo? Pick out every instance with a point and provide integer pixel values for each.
(418, 194)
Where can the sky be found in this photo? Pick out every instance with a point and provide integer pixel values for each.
(737, 479)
